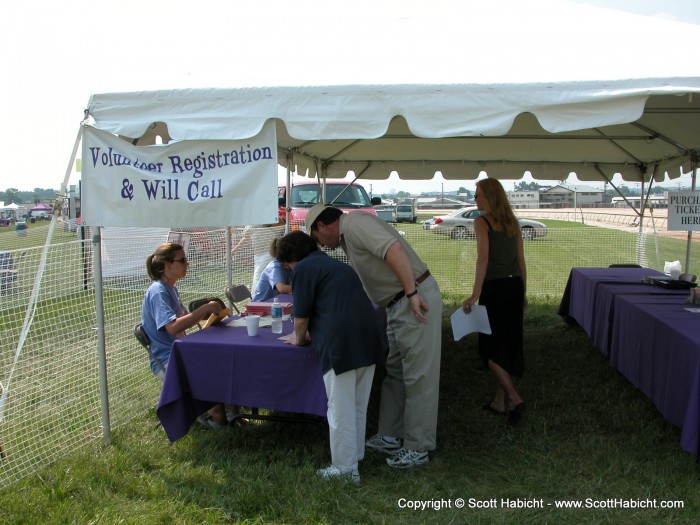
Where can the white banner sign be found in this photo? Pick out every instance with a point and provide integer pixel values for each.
(182, 184)
(683, 210)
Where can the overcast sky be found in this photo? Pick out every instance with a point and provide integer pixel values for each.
(679, 10)
(56, 54)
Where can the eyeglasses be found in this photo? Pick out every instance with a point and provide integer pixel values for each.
(183, 260)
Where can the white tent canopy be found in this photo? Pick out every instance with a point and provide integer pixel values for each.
(596, 129)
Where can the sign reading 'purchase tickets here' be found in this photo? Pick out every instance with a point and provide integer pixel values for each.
(683, 211)
(181, 184)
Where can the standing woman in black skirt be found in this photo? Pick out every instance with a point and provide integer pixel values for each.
(499, 285)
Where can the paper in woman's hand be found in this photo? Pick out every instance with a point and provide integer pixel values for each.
(467, 323)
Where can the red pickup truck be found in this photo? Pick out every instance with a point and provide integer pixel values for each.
(343, 195)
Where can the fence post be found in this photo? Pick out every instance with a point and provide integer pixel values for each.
(101, 350)
(229, 257)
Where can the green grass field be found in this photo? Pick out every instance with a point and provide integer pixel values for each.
(587, 434)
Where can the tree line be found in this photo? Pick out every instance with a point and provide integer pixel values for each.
(35, 196)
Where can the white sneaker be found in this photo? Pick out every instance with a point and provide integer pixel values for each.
(208, 422)
(381, 444)
(333, 472)
(406, 458)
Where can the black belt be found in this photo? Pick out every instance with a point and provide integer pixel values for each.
(401, 294)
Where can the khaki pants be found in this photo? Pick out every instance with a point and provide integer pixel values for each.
(409, 403)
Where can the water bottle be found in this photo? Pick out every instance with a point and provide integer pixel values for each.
(276, 316)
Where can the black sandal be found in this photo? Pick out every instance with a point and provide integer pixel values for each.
(514, 415)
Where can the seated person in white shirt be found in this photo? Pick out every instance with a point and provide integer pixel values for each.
(274, 279)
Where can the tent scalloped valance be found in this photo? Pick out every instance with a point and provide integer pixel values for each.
(594, 129)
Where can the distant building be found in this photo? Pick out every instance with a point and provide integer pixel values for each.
(655, 201)
(571, 196)
(440, 202)
(524, 199)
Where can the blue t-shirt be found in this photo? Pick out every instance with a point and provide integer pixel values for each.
(161, 305)
(345, 331)
(273, 273)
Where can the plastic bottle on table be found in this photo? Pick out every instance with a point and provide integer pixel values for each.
(276, 316)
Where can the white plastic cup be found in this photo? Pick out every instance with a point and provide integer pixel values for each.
(252, 322)
(675, 273)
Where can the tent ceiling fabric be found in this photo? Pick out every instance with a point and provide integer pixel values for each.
(595, 129)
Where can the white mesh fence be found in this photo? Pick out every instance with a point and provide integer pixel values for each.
(50, 390)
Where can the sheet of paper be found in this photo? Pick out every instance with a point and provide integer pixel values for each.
(476, 321)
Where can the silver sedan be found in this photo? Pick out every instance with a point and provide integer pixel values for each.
(460, 225)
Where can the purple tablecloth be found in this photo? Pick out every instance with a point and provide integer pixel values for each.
(590, 294)
(604, 301)
(655, 344)
(578, 301)
(224, 365)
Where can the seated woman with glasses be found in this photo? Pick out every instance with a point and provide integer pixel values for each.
(165, 318)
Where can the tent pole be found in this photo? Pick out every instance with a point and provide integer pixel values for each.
(100, 314)
(651, 212)
(288, 192)
(229, 258)
(63, 192)
(694, 167)
(642, 205)
(640, 228)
